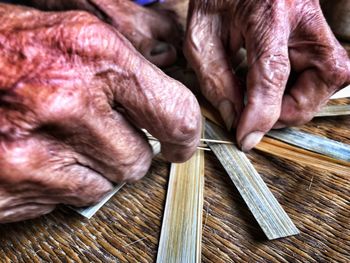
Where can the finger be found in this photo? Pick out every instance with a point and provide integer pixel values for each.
(207, 56)
(117, 150)
(313, 89)
(153, 34)
(269, 69)
(150, 99)
(301, 103)
(24, 212)
(42, 171)
(110, 145)
(164, 107)
(156, 38)
(324, 67)
(159, 53)
(169, 30)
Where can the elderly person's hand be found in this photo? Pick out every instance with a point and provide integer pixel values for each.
(74, 94)
(154, 34)
(280, 37)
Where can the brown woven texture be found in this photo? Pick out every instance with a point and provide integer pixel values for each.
(127, 228)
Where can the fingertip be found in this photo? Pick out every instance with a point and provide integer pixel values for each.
(257, 119)
(160, 53)
(279, 125)
(159, 48)
(251, 140)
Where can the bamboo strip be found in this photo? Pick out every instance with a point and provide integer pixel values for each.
(343, 93)
(181, 234)
(90, 211)
(303, 157)
(334, 110)
(265, 208)
(314, 143)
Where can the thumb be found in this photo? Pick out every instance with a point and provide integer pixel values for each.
(266, 81)
(206, 54)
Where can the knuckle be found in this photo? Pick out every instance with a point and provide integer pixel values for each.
(15, 161)
(80, 18)
(130, 165)
(186, 125)
(339, 74)
(300, 117)
(276, 68)
(135, 166)
(88, 36)
(337, 68)
(85, 188)
(302, 112)
(63, 105)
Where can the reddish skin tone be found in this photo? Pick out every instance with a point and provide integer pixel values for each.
(73, 95)
(279, 36)
(154, 34)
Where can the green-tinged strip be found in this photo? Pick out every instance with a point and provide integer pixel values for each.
(314, 143)
(269, 214)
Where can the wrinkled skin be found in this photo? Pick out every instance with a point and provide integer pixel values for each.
(280, 37)
(74, 94)
(154, 34)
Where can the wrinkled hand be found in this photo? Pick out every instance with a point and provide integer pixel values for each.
(74, 94)
(280, 37)
(154, 34)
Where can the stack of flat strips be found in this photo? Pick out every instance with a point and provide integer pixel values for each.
(334, 110)
(181, 234)
(314, 143)
(269, 214)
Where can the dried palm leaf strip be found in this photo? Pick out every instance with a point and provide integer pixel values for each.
(334, 110)
(181, 234)
(314, 143)
(90, 211)
(303, 157)
(269, 214)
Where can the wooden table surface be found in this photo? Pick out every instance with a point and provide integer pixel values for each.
(127, 228)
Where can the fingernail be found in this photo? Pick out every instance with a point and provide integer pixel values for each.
(160, 48)
(279, 125)
(228, 113)
(251, 140)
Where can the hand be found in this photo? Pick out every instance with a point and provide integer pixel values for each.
(280, 37)
(154, 34)
(74, 94)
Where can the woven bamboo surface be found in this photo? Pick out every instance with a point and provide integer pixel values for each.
(127, 229)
